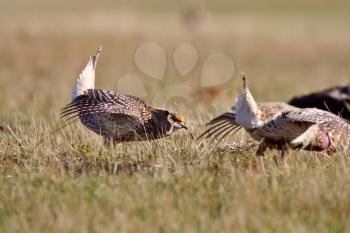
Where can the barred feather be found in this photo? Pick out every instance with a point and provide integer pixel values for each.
(281, 124)
(117, 117)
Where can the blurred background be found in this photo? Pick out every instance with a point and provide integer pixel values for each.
(286, 48)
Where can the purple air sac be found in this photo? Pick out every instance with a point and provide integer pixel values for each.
(165, 125)
(335, 100)
(326, 141)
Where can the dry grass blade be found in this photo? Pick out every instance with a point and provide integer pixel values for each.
(73, 183)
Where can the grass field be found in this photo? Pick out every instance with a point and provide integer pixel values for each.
(70, 182)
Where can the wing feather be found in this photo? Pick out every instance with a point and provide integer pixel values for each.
(95, 101)
(221, 125)
(116, 124)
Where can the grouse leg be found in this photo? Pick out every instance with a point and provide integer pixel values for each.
(259, 157)
(284, 156)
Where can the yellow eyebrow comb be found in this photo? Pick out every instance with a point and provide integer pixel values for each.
(180, 118)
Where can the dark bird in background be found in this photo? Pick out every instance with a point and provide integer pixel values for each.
(281, 126)
(335, 100)
(117, 117)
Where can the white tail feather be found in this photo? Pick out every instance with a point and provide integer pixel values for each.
(86, 79)
(247, 110)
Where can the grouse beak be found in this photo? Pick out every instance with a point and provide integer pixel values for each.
(181, 122)
(183, 126)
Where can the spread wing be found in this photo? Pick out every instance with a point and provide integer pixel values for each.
(307, 117)
(221, 126)
(103, 101)
(287, 126)
(292, 119)
(321, 122)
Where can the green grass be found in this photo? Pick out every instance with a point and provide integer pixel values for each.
(70, 182)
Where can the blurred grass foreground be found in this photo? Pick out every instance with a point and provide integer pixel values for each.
(190, 54)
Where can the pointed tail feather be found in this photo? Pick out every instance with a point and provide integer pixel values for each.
(86, 79)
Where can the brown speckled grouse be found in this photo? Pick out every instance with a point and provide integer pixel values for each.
(117, 117)
(281, 126)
